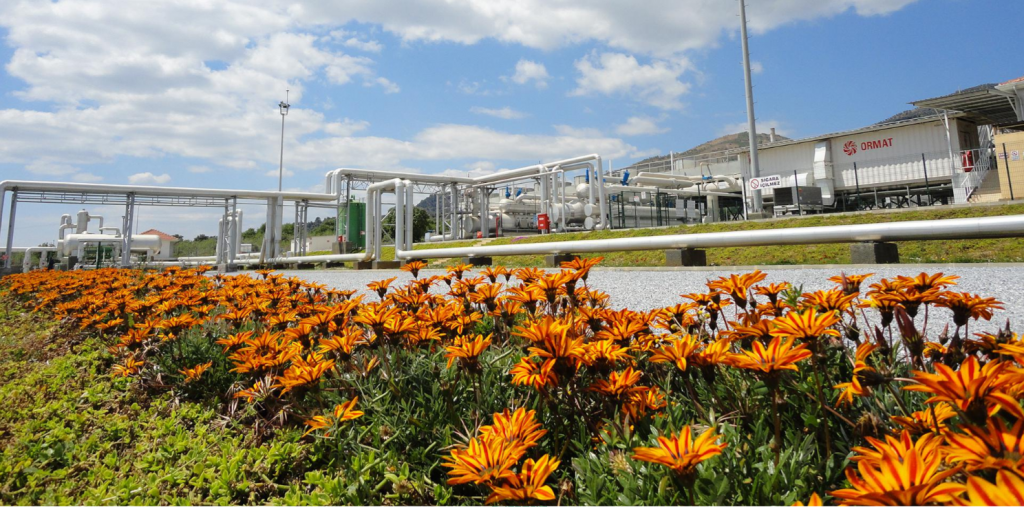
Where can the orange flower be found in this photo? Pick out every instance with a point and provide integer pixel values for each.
(193, 374)
(1007, 490)
(807, 326)
(976, 391)
(930, 420)
(681, 453)
(738, 285)
(850, 284)
(778, 356)
(484, 461)
(619, 383)
(538, 376)
(381, 287)
(992, 447)
(128, 367)
(965, 305)
(519, 428)
(901, 475)
(343, 412)
(414, 267)
(677, 351)
(815, 501)
(304, 372)
(467, 350)
(527, 485)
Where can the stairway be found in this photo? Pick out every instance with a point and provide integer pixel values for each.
(988, 191)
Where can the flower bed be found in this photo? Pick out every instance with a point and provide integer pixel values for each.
(522, 386)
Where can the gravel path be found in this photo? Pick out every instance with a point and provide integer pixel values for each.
(644, 289)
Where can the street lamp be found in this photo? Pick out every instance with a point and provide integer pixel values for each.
(284, 112)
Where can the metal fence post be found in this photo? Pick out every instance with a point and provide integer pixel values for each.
(1009, 181)
(856, 180)
(796, 193)
(927, 188)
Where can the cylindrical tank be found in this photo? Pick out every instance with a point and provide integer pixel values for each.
(83, 222)
(71, 242)
(573, 211)
(583, 191)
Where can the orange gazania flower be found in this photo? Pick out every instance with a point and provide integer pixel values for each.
(527, 485)
(924, 282)
(1007, 490)
(738, 285)
(681, 453)
(128, 367)
(538, 376)
(677, 351)
(901, 476)
(381, 286)
(414, 267)
(304, 372)
(994, 446)
(815, 501)
(619, 383)
(484, 461)
(467, 350)
(777, 356)
(806, 326)
(193, 374)
(341, 413)
(929, 420)
(519, 428)
(850, 284)
(965, 305)
(977, 391)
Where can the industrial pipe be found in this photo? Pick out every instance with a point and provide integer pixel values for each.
(918, 230)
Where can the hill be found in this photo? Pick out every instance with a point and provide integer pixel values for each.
(724, 143)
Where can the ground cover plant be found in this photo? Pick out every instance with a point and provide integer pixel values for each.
(503, 386)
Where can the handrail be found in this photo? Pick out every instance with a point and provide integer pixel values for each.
(918, 230)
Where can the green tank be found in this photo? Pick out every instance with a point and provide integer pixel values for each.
(352, 219)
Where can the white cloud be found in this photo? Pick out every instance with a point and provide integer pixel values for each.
(148, 178)
(645, 153)
(570, 131)
(505, 113)
(640, 126)
(274, 173)
(198, 169)
(756, 67)
(86, 178)
(481, 165)
(346, 127)
(527, 70)
(352, 40)
(619, 74)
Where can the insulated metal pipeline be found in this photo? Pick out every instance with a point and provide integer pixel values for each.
(918, 230)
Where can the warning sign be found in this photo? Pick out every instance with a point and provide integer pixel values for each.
(771, 181)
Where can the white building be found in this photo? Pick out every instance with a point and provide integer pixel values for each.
(166, 245)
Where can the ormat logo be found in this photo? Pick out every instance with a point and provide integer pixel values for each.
(850, 148)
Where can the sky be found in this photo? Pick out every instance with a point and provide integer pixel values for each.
(185, 93)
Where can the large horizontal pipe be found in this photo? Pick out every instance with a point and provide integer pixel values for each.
(53, 186)
(918, 230)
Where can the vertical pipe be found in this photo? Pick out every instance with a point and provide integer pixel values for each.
(602, 194)
(927, 188)
(10, 229)
(399, 216)
(126, 254)
(438, 201)
(856, 180)
(796, 193)
(456, 229)
(410, 215)
(1009, 181)
(755, 169)
(3, 194)
(378, 228)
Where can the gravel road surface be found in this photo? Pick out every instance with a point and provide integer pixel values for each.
(644, 289)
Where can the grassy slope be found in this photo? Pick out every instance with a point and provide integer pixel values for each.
(992, 250)
(70, 433)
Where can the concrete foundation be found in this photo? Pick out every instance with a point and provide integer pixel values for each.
(387, 264)
(227, 268)
(686, 257)
(874, 253)
(477, 261)
(305, 265)
(335, 264)
(556, 260)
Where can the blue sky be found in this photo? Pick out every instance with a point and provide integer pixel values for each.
(94, 91)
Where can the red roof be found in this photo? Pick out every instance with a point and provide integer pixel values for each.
(163, 235)
(1013, 81)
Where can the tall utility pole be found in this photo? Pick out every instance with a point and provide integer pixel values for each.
(284, 112)
(755, 170)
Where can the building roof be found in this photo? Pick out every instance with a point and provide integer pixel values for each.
(163, 235)
(986, 104)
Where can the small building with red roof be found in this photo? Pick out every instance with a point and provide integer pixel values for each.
(166, 244)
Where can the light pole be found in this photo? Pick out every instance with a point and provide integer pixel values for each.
(284, 112)
(755, 169)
